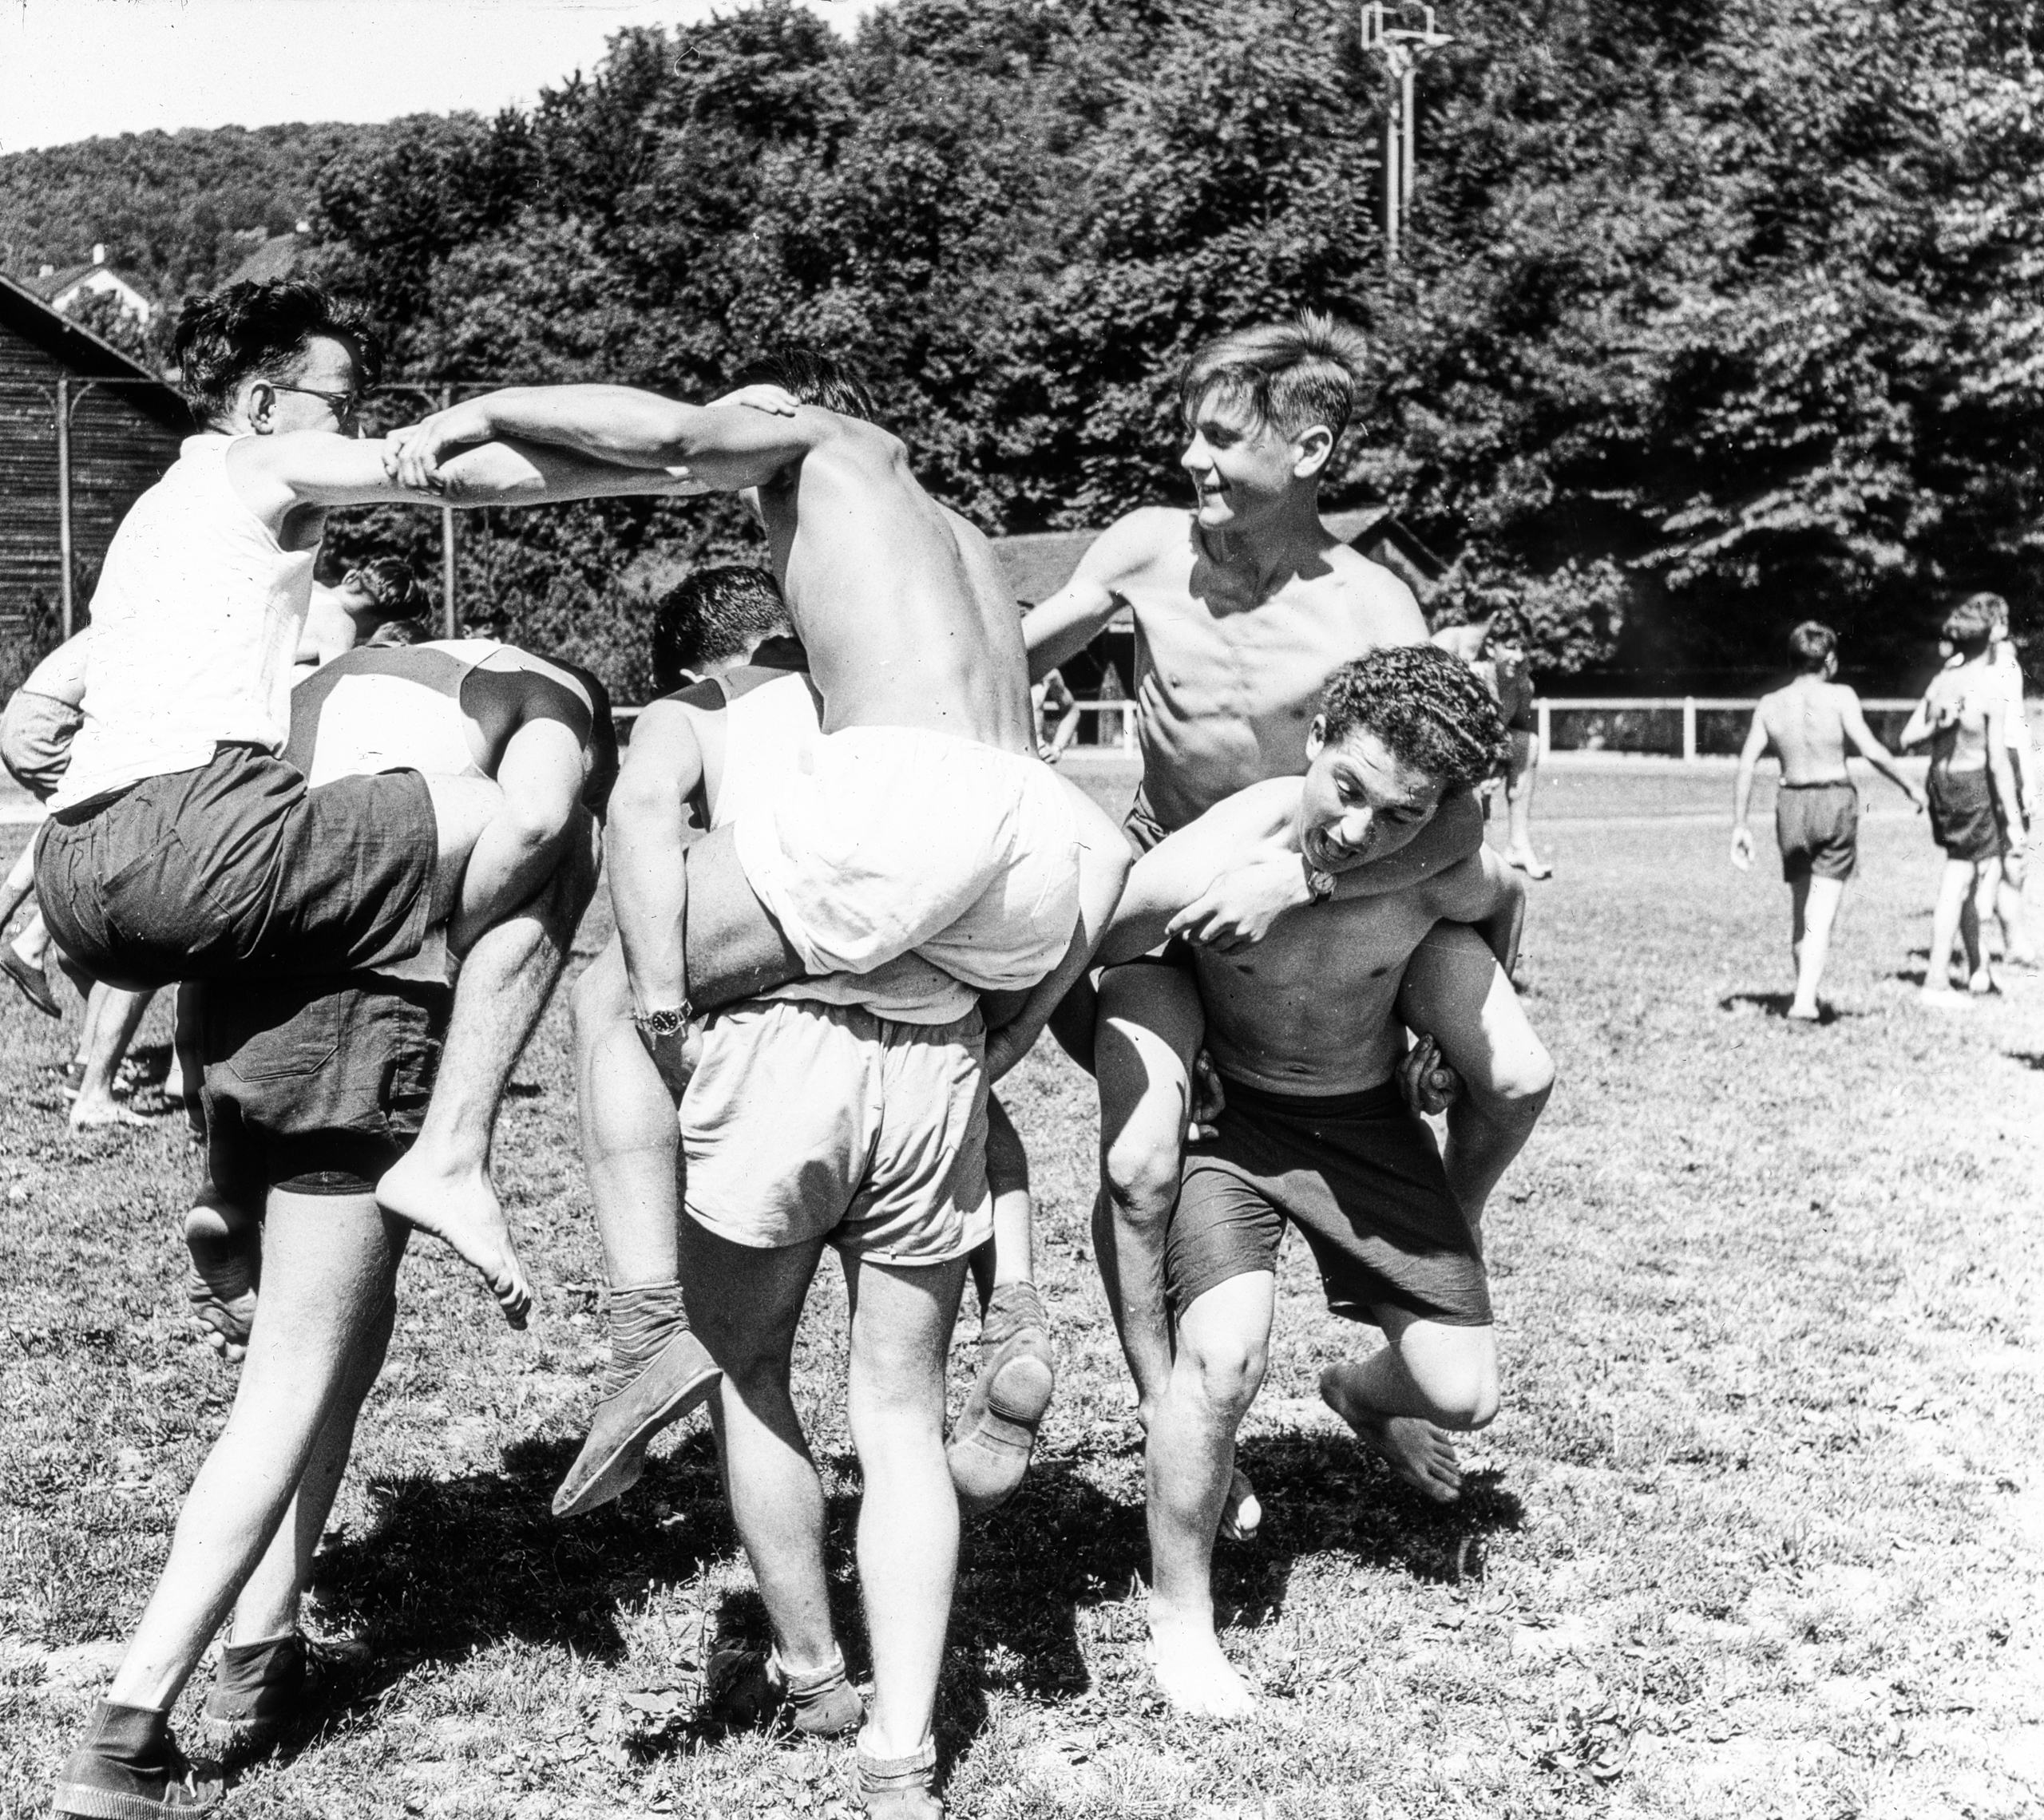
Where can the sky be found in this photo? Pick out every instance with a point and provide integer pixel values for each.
(75, 69)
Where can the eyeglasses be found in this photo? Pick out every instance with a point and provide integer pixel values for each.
(343, 405)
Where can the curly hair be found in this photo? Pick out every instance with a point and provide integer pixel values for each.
(1292, 375)
(251, 331)
(388, 582)
(1431, 711)
(813, 376)
(1971, 624)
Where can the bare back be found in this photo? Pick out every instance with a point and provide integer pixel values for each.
(899, 603)
(1230, 668)
(1805, 724)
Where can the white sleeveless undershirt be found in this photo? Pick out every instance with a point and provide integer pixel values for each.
(386, 721)
(770, 733)
(195, 621)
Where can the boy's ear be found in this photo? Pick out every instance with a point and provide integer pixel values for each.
(1316, 737)
(1310, 450)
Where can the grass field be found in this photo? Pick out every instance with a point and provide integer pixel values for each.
(1760, 1531)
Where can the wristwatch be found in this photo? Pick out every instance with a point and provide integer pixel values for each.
(654, 1025)
(1320, 885)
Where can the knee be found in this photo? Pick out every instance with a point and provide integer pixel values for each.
(1142, 1175)
(1520, 1085)
(1463, 1397)
(1227, 1373)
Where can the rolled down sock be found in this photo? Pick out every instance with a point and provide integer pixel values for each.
(137, 1737)
(643, 1320)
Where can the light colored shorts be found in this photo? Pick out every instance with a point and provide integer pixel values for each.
(892, 840)
(806, 1120)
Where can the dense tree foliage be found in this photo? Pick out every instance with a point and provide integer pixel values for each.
(1716, 315)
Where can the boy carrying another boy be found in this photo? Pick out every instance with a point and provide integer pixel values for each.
(1306, 1030)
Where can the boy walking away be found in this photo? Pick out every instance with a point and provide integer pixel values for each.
(1816, 813)
(2018, 951)
(1975, 815)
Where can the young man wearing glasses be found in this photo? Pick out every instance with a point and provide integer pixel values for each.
(181, 845)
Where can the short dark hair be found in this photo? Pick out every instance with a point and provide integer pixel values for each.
(1293, 375)
(1812, 645)
(1971, 624)
(813, 376)
(711, 614)
(1431, 711)
(397, 634)
(390, 583)
(255, 330)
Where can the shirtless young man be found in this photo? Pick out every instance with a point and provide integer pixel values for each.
(314, 1089)
(1241, 610)
(369, 595)
(541, 730)
(1976, 810)
(1306, 1030)
(926, 826)
(1816, 813)
(180, 845)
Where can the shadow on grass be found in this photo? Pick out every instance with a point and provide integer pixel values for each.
(1776, 1004)
(2031, 1059)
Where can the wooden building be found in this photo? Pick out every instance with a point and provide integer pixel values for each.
(123, 430)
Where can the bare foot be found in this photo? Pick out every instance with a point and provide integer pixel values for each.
(1943, 999)
(1242, 1514)
(1414, 1449)
(1981, 983)
(1525, 860)
(220, 1285)
(457, 1204)
(97, 1111)
(1193, 1674)
(1802, 1013)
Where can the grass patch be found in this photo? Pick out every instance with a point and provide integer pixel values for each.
(1757, 1532)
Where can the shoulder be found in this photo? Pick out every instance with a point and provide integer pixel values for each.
(1385, 609)
(1136, 539)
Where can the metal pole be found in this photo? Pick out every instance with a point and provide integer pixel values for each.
(1689, 727)
(450, 617)
(1405, 169)
(64, 500)
(1390, 177)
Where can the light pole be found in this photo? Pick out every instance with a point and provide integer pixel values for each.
(1389, 32)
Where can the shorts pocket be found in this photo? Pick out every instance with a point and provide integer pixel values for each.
(161, 905)
(266, 1047)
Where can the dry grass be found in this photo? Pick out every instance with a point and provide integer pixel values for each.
(1758, 1532)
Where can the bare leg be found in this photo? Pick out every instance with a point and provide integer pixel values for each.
(746, 1304)
(1454, 990)
(1430, 1378)
(996, 1432)
(1954, 893)
(330, 1265)
(442, 1185)
(120, 1016)
(1150, 1028)
(1223, 1343)
(2011, 913)
(908, 1533)
(1519, 793)
(21, 882)
(1820, 911)
(1973, 921)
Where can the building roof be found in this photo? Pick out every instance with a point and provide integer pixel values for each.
(27, 316)
(274, 259)
(1038, 563)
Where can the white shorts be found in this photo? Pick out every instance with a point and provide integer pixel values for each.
(892, 840)
(805, 1120)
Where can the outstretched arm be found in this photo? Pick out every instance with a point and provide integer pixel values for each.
(1238, 906)
(1876, 753)
(1062, 626)
(721, 446)
(1742, 791)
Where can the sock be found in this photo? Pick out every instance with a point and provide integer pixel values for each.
(137, 1737)
(245, 1666)
(643, 1320)
(1010, 1308)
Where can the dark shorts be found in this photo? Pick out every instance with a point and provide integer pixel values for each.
(1358, 1175)
(1817, 828)
(1526, 720)
(1140, 826)
(1963, 818)
(315, 1086)
(36, 732)
(236, 870)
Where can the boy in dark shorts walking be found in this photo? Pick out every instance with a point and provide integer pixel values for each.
(1306, 1031)
(1976, 810)
(1816, 813)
